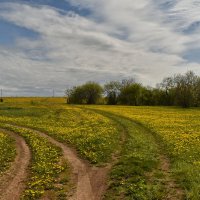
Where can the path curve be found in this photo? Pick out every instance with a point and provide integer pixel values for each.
(12, 181)
(90, 181)
(173, 190)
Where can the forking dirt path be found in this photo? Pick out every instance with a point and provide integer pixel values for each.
(12, 182)
(173, 191)
(90, 181)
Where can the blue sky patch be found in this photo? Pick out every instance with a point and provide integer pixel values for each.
(9, 32)
(166, 4)
(193, 55)
(192, 28)
(59, 4)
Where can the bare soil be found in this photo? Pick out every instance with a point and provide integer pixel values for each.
(12, 183)
(174, 192)
(89, 181)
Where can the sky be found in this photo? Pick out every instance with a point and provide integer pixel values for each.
(48, 45)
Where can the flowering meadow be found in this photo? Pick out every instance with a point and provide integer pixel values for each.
(133, 139)
(94, 136)
(45, 166)
(178, 132)
(7, 151)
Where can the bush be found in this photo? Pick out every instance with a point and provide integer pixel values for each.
(89, 93)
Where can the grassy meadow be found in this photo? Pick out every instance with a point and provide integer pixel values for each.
(7, 150)
(177, 130)
(136, 141)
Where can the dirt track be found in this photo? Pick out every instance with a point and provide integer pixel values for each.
(12, 182)
(174, 192)
(90, 182)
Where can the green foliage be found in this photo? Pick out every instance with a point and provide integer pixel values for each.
(181, 90)
(112, 91)
(45, 165)
(129, 177)
(89, 93)
(130, 94)
(7, 151)
(178, 132)
(93, 135)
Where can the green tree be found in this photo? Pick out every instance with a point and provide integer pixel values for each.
(147, 97)
(197, 92)
(130, 94)
(168, 86)
(112, 91)
(185, 89)
(88, 93)
(92, 92)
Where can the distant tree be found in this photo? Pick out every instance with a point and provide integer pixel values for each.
(159, 97)
(182, 90)
(197, 92)
(92, 91)
(168, 86)
(88, 93)
(76, 95)
(147, 97)
(112, 91)
(127, 82)
(130, 94)
(185, 89)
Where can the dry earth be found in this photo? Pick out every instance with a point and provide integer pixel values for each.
(12, 183)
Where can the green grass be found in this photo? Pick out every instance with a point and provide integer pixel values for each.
(45, 166)
(178, 130)
(7, 151)
(136, 174)
(174, 132)
(93, 135)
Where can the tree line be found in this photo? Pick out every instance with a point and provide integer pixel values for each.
(178, 90)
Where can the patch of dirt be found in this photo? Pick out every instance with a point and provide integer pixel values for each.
(12, 181)
(173, 191)
(90, 182)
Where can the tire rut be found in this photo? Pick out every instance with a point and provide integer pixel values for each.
(89, 181)
(173, 190)
(12, 183)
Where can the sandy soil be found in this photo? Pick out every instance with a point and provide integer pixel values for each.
(12, 183)
(173, 191)
(89, 181)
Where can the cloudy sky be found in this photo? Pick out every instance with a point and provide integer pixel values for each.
(54, 44)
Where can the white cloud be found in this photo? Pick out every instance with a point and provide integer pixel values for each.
(118, 39)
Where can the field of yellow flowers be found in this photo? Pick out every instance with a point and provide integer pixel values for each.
(96, 133)
(178, 132)
(45, 166)
(7, 151)
(94, 136)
